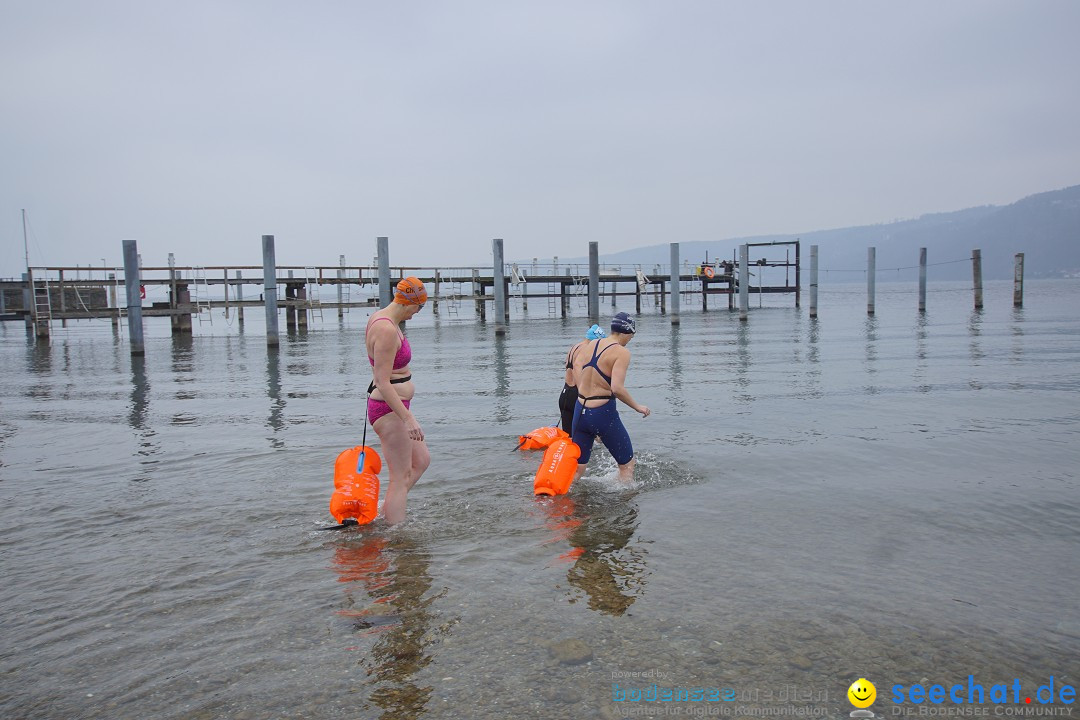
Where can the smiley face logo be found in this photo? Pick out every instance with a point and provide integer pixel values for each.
(862, 693)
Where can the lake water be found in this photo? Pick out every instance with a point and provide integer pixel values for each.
(892, 497)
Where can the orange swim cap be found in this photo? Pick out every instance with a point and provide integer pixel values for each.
(410, 291)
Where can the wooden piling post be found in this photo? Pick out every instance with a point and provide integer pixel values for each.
(798, 273)
(28, 300)
(744, 282)
(183, 299)
(1018, 280)
(302, 307)
(112, 301)
(922, 279)
(498, 277)
(675, 282)
(477, 294)
(270, 290)
(813, 280)
(435, 295)
(225, 285)
(976, 271)
(63, 300)
(134, 302)
(594, 281)
(637, 298)
(290, 303)
(871, 278)
(239, 299)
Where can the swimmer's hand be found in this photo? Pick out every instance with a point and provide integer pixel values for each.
(415, 431)
(645, 411)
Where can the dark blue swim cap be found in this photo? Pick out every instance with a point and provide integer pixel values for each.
(623, 323)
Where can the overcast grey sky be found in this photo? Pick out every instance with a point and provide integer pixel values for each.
(195, 127)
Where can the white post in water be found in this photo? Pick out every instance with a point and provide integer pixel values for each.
(341, 287)
(594, 281)
(134, 302)
(744, 282)
(675, 282)
(871, 278)
(976, 271)
(112, 301)
(922, 279)
(813, 280)
(239, 299)
(499, 286)
(270, 290)
(1018, 281)
(382, 252)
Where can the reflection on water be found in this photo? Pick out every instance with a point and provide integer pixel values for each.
(676, 397)
(1017, 329)
(139, 411)
(387, 599)
(742, 363)
(974, 332)
(276, 420)
(502, 381)
(607, 567)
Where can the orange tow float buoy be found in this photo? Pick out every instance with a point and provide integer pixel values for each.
(557, 469)
(541, 438)
(356, 485)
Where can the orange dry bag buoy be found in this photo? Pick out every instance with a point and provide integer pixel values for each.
(557, 469)
(349, 465)
(356, 485)
(541, 438)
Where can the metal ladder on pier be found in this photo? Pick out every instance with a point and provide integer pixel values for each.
(42, 301)
(201, 295)
(517, 283)
(453, 300)
(311, 290)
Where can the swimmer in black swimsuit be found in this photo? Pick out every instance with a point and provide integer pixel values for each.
(568, 396)
(600, 380)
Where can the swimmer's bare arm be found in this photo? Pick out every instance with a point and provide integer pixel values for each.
(386, 345)
(618, 383)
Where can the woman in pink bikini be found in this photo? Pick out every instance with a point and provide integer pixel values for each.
(390, 395)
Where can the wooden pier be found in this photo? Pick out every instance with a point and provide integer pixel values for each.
(195, 293)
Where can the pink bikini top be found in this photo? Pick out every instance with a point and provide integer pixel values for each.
(404, 353)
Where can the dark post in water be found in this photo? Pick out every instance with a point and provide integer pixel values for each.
(744, 282)
(594, 281)
(922, 279)
(134, 302)
(499, 286)
(675, 282)
(976, 271)
(813, 280)
(270, 290)
(871, 278)
(1018, 281)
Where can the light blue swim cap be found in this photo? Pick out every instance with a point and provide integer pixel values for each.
(594, 333)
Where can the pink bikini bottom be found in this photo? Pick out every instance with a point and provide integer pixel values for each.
(377, 408)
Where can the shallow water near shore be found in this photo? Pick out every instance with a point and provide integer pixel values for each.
(893, 497)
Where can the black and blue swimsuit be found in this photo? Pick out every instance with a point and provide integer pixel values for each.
(602, 421)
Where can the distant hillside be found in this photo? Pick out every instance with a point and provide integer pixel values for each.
(1045, 227)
